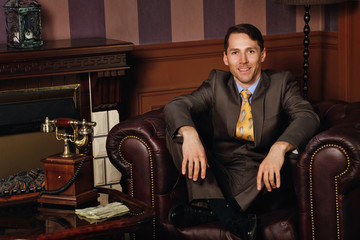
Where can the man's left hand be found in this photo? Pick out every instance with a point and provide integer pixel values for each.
(269, 169)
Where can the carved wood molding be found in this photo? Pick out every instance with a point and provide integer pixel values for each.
(69, 65)
(179, 50)
(64, 57)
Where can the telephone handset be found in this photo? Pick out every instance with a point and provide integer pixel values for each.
(80, 135)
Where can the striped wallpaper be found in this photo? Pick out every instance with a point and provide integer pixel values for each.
(164, 21)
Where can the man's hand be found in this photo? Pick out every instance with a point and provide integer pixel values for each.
(194, 157)
(269, 169)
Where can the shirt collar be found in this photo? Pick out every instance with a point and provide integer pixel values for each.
(251, 88)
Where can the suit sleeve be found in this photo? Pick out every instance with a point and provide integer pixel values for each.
(304, 122)
(179, 111)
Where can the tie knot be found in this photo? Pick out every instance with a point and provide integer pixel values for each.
(245, 94)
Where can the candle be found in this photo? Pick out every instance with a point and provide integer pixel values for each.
(29, 34)
(16, 37)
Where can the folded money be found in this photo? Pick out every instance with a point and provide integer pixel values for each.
(102, 212)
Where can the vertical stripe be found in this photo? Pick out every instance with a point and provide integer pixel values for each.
(87, 18)
(331, 18)
(317, 18)
(154, 21)
(187, 28)
(2, 23)
(219, 15)
(55, 20)
(280, 18)
(254, 13)
(300, 11)
(121, 20)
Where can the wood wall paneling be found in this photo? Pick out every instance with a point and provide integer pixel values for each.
(166, 68)
(354, 53)
(348, 83)
(163, 71)
(349, 17)
(343, 54)
(324, 66)
(155, 99)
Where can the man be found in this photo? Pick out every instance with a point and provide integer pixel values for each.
(255, 118)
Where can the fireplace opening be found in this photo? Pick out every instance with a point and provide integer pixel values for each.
(24, 110)
(22, 145)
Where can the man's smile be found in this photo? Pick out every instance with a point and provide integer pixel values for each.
(244, 69)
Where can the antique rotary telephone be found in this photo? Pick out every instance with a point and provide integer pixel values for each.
(80, 136)
(61, 171)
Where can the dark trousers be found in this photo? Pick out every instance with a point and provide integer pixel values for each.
(217, 186)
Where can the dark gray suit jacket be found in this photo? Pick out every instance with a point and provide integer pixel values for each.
(279, 113)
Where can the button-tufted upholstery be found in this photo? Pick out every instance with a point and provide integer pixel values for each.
(327, 179)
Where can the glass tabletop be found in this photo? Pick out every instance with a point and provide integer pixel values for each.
(35, 220)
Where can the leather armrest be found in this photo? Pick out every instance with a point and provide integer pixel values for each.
(137, 148)
(328, 180)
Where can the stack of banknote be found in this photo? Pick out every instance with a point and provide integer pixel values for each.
(102, 212)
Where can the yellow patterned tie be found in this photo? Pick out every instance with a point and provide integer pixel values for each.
(244, 126)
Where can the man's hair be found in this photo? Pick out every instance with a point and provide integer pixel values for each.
(252, 31)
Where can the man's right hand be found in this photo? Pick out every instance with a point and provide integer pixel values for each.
(194, 157)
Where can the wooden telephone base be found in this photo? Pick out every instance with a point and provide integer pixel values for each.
(59, 171)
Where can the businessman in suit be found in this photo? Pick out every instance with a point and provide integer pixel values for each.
(236, 163)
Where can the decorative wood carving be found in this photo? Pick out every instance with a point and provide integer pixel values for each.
(63, 66)
(64, 57)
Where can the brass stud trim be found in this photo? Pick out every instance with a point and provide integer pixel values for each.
(132, 177)
(336, 178)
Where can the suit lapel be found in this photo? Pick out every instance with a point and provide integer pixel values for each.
(257, 107)
(234, 106)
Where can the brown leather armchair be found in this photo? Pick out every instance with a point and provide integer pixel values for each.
(327, 179)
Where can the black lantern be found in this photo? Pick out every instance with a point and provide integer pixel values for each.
(23, 23)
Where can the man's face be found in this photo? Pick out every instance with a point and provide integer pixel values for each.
(244, 59)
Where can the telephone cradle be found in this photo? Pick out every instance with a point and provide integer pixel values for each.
(68, 180)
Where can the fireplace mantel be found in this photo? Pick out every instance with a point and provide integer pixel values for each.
(99, 61)
(64, 57)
